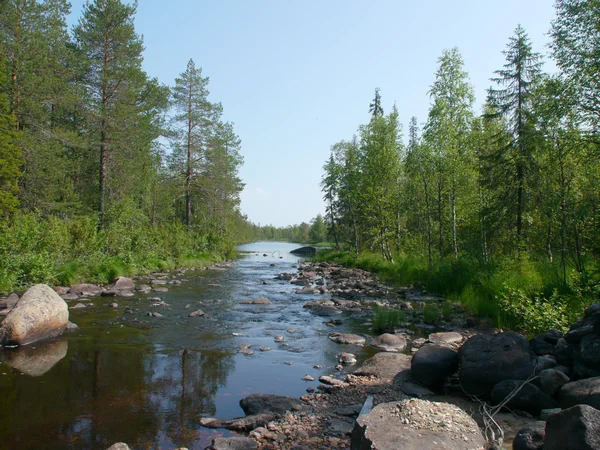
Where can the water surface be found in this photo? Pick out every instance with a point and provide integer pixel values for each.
(148, 380)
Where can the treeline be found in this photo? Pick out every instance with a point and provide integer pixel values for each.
(513, 189)
(103, 169)
(314, 232)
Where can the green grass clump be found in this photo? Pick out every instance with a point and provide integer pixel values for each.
(387, 319)
(431, 313)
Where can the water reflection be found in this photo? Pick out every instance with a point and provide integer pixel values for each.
(35, 360)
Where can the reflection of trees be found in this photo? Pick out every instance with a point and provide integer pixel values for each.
(189, 388)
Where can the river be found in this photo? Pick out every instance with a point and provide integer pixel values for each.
(126, 376)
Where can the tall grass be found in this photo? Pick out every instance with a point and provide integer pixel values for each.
(496, 290)
(387, 319)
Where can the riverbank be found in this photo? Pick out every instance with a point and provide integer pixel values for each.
(516, 294)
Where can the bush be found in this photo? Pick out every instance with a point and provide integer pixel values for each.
(386, 319)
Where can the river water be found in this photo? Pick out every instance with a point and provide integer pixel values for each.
(148, 380)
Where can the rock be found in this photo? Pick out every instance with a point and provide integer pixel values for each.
(552, 380)
(342, 338)
(154, 314)
(307, 291)
(564, 352)
(308, 378)
(72, 326)
(9, 302)
(114, 305)
(198, 313)
(36, 360)
(61, 290)
(304, 251)
(530, 437)
(546, 413)
(124, 283)
(413, 389)
(574, 428)
(340, 427)
(144, 288)
(346, 358)
(487, 359)
(239, 424)
(119, 446)
(349, 411)
(544, 362)
(416, 425)
(161, 289)
(265, 349)
(325, 311)
(585, 392)
(279, 339)
(390, 342)
(39, 314)
(582, 328)
(256, 301)
(586, 360)
(552, 336)
(77, 306)
(85, 289)
(232, 443)
(540, 346)
(446, 338)
(277, 404)
(330, 380)
(158, 282)
(69, 297)
(386, 366)
(529, 398)
(432, 364)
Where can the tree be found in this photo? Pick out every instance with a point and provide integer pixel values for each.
(195, 116)
(9, 154)
(375, 108)
(446, 132)
(576, 48)
(114, 80)
(513, 101)
(318, 231)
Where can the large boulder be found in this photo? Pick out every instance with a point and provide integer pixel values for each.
(346, 338)
(266, 403)
(551, 380)
(39, 314)
(85, 289)
(528, 398)
(580, 392)
(390, 342)
(530, 437)
(386, 366)
(432, 364)
(487, 359)
(576, 428)
(416, 425)
(124, 283)
(564, 352)
(586, 362)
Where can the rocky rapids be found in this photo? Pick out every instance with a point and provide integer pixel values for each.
(448, 382)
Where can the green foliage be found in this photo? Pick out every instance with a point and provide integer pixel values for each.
(387, 319)
(537, 314)
(431, 313)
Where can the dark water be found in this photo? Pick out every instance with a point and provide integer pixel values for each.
(147, 380)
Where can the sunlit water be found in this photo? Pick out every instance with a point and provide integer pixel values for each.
(148, 380)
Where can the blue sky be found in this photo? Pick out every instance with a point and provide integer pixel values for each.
(296, 76)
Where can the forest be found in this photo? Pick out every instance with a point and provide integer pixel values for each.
(498, 209)
(104, 171)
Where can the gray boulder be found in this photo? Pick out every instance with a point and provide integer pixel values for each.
(586, 361)
(529, 398)
(39, 314)
(551, 380)
(119, 446)
(416, 425)
(576, 428)
(85, 289)
(530, 437)
(386, 366)
(487, 359)
(266, 403)
(256, 301)
(432, 364)
(564, 352)
(390, 342)
(124, 283)
(585, 392)
(345, 338)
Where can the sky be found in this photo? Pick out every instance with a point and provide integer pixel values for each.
(297, 76)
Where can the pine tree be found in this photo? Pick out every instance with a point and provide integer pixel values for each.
(375, 108)
(114, 79)
(192, 127)
(513, 101)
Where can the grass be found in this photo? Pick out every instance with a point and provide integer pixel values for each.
(494, 290)
(387, 319)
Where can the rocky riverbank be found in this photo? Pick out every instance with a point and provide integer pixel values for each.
(445, 378)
